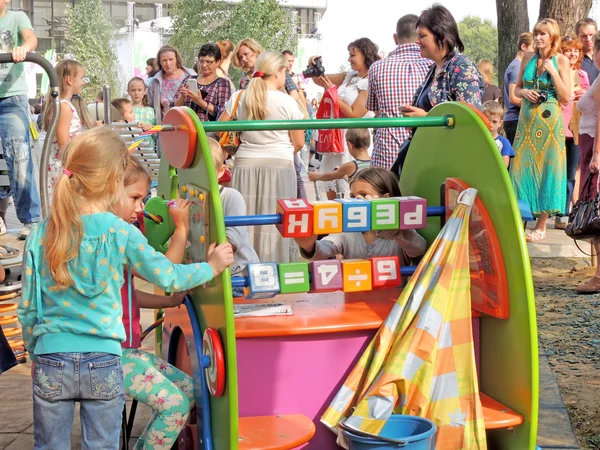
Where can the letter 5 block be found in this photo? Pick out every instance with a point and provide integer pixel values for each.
(356, 214)
(263, 280)
(326, 275)
(384, 214)
(293, 277)
(327, 217)
(297, 217)
(357, 275)
(386, 271)
(413, 213)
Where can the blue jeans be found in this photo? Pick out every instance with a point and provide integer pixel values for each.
(14, 134)
(93, 379)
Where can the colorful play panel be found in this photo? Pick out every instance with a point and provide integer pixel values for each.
(264, 382)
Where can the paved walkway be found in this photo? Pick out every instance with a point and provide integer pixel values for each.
(16, 423)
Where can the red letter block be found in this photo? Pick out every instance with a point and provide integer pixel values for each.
(297, 217)
(386, 271)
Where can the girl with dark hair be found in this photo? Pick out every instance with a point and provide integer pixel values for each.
(371, 183)
(452, 76)
(353, 86)
(212, 91)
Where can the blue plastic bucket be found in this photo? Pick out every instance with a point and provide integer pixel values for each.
(407, 432)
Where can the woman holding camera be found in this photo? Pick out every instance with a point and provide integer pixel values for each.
(539, 170)
(352, 98)
(207, 93)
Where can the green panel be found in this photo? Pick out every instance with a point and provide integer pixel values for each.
(214, 302)
(509, 348)
(293, 278)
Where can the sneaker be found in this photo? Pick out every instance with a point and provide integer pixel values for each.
(26, 230)
(2, 227)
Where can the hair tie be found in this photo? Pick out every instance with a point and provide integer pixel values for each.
(258, 74)
(68, 173)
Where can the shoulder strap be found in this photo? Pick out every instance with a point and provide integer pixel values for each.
(235, 106)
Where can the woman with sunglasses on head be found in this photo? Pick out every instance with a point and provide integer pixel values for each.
(212, 91)
(538, 170)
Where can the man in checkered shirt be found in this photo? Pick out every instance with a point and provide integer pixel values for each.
(392, 83)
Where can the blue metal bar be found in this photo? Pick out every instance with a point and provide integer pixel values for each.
(241, 282)
(275, 219)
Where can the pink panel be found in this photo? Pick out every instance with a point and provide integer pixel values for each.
(297, 375)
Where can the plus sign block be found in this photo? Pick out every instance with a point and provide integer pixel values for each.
(356, 214)
(386, 271)
(384, 214)
(327, 217)
(293, 277)
(263, 281)
(357, 275)
(297, 220)
(413, 213)
(326, 275)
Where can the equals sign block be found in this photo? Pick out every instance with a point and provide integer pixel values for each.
(293, 278)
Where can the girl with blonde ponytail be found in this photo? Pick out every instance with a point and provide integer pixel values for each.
(264, 162)
(71, 298)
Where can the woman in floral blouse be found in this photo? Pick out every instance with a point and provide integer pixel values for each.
(452, 76)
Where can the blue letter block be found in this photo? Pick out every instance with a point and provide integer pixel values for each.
(263, 279)
(356, 214)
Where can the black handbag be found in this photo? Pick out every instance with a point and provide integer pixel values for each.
(402, 152)
(584, 220)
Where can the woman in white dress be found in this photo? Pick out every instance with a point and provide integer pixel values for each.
(352, 96)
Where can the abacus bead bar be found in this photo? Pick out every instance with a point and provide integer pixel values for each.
(240, 282)
(275, 219)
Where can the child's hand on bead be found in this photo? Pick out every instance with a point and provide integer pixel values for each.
(177, 298)
(220, 257)
(180, 213)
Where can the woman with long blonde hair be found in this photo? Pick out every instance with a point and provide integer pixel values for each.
(264, 163)
(538, 170)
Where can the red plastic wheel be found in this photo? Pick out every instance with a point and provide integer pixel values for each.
(179, 147)
(215, 374)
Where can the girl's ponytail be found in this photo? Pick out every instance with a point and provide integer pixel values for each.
(256, 92)
(94, 164)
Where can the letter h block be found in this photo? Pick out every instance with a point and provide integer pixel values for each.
(386, 271)
(263, 281)
(297, 220)
(413, 213)
(327, 217)
(356, 215)
(326, 275)
(384, 214)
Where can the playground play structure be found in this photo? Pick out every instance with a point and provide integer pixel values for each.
(264, 382)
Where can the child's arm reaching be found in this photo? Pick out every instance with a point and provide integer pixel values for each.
(328, 247)
(180, 213)
(27, 310)
(411, 242)
(153, 301)
(345, 170)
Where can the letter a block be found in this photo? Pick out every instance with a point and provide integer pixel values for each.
(386, 271)
(413, 213)
(384, 214)
(327, 217)
(293, 277)
(356, 215)
(357, 275)
(263, 281)
(326, 275)
(297, 217)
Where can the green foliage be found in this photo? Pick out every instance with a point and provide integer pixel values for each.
(197, 22)
(480, 37)
(91, 39)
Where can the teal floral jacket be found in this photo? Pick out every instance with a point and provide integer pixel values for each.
(459, 81)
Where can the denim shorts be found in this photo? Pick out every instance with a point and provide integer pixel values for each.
(95, 380)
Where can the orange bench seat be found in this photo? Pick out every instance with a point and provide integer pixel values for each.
(496, 415)
(281, 432)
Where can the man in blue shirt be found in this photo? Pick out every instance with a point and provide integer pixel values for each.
(512, 103)
(586, 29)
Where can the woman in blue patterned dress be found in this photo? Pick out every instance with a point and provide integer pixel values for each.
(538, 171)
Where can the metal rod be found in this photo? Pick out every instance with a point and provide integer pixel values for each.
(106, 104)
(275, 219)
(328, 124)
(241, 282)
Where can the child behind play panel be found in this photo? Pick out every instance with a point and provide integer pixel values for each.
(359, 140)
(233, 205)
(495, 112)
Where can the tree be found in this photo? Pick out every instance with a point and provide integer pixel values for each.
(565, 13)
(195, 23)
(513, 20)
(480, 38)
(91, 39)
